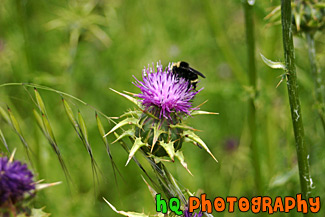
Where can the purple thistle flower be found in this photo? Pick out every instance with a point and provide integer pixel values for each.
(163, 93)
(191, 214)
(15, 181)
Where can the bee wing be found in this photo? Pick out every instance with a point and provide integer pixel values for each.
(197, 72)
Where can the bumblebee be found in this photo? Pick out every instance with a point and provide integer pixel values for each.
(183, 70)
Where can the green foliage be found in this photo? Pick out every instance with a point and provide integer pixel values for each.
(35, 213)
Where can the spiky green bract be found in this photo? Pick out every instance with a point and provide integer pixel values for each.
(159, 137)
(35, 213)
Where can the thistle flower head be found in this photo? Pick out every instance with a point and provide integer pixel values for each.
(163, 93)
(191, 214)
(15, 181)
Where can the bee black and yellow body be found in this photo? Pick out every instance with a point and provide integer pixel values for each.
(183, 70)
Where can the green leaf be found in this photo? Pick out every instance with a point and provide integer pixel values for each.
(283, 178)
(192, 136)
(129, 133)
(182, 126)
(39, 213)
(169, 147)
(127, 121)
(156, 133)
(158, 159)
(136, 113)
(35, 213)
(129, 214)
(130, 98)
(199, 112)
(136, 145)
(180, 157)
(41, 186)
(273, 65)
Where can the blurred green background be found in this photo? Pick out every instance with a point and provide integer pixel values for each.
(86, 47)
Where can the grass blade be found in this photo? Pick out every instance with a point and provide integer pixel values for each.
(3, 139)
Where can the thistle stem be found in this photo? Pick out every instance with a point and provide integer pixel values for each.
(250, 41)
(289, 55)
(316, 73)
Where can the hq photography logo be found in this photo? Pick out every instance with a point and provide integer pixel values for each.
(257, 204)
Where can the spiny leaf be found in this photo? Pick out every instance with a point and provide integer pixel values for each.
(158, 159)
(275, 11)
(134, 100)
(203, 113)
(129, 214)
(180, 157)
(192, 136)
(283, 178)
(136, 113)
(42, 186)
(39, 101)
(127, 121)
(39, 213)
(156, 133)
(273, 65)
(129, 133)
(126, 148)
(297, 17)
(34, 213)
(136, 145)
(198, 106)
(11, 159)
(182, 126)
(3, 139)
(169, 147)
